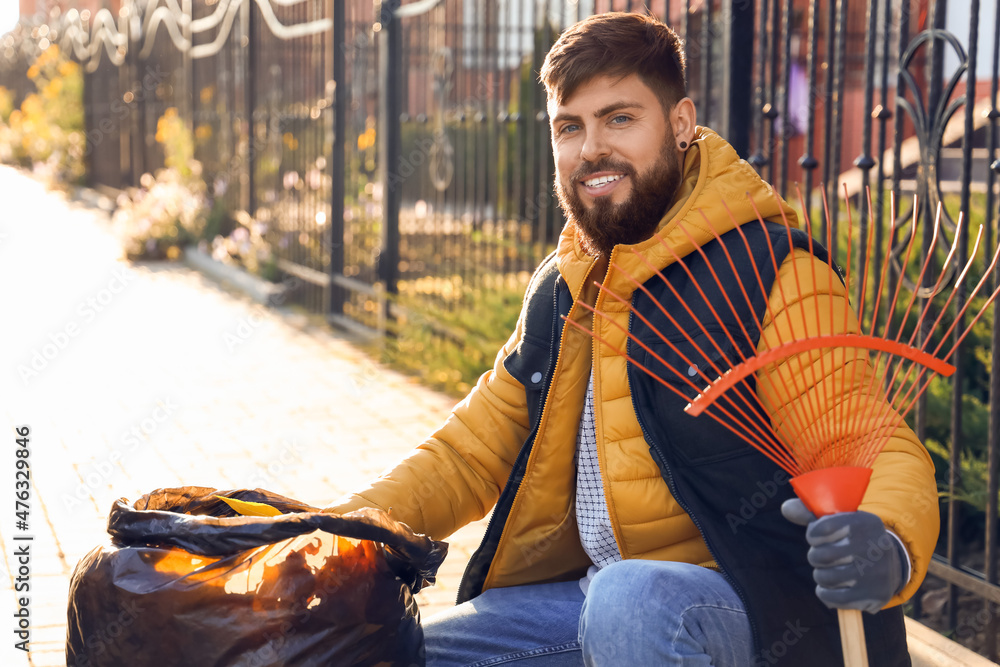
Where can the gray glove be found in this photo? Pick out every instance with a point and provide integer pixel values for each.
(858, 564)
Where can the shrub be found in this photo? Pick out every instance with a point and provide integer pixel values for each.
(170, 208)
(46, 132)
(167, 212)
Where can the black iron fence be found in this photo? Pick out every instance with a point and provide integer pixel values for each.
(396, 157)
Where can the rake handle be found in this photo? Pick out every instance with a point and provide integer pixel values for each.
(852, 638)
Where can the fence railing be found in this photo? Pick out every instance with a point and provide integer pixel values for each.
(397, 158)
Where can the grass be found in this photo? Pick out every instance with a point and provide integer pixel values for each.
(448, 342)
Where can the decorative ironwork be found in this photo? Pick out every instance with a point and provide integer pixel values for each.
(441, 156)
(929, 126)
(139, 22)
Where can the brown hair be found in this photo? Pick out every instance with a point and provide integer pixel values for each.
(617, 44)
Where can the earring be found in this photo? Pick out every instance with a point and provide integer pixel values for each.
(684, 145)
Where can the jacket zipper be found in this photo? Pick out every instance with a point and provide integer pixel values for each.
(680, 500)
(534, 434)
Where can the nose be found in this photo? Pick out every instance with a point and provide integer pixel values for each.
(594, 147)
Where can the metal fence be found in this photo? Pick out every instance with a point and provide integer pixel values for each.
(397, 157)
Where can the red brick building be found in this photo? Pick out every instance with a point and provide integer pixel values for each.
(32, 7)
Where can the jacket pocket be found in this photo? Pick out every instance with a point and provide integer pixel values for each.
(682, 362)
(530, 364)
(687, 367)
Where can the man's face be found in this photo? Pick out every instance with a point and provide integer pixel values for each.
(617, 167)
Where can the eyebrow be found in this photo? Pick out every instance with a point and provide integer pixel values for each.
(603, 111)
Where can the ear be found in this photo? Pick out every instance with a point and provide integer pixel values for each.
(683, 118)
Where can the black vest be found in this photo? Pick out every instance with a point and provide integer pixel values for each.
(732, 492)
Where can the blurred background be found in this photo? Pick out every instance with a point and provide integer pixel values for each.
(382, 173)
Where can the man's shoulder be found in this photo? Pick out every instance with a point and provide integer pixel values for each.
(545, 274)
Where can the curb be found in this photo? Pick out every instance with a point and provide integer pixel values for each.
(928, 648)
(262, 291)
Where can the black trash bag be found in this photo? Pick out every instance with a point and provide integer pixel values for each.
(188, 582)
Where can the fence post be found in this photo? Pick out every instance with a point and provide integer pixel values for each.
(337, 173)
(88, 122)
(738, 78)
(250, 100)
(390, 77)
(187, 101)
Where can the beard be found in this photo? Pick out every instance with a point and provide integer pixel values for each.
(606, 224)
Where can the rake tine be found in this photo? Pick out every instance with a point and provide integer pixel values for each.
(950, 256)
(895, 297)
(841, 406)
(812, 399)
(985, 306)
(885, 269)
(899, 364)
(923, 371)
(687, 309)
(761, 445)
(812, 268)
(831, 260)
(718, 282)
(855, 399)
(686, 360)
(722, 289)
(670, 317)
(954, 290)
(785, 400)
(923, 271)
(909, 249)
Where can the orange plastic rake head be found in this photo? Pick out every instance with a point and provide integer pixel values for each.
(840, 488)
(831, 394)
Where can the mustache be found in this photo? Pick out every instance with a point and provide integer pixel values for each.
(604, 164)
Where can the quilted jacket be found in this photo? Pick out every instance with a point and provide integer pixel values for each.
(457, 475)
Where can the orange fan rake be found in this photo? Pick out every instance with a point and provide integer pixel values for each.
(828, 451)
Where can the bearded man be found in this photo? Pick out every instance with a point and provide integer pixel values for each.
(617, 535)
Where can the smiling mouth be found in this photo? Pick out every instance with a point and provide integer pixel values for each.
(602, 180)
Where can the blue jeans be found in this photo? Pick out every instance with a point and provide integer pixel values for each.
(635, 613)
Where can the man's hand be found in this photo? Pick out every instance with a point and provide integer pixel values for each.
(858, 563)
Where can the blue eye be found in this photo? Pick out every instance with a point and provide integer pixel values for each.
(619, 119)
(570, 127)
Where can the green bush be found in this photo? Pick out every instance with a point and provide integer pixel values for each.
(47, 131)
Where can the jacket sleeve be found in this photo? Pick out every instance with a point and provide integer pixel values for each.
(456, 476)
(833, 395)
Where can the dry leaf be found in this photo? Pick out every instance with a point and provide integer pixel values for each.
(248, 508)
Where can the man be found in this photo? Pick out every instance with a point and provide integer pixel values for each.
(620, 534)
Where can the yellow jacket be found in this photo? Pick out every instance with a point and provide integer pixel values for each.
(456, 476)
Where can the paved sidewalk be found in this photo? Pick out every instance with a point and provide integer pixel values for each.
(131, 378)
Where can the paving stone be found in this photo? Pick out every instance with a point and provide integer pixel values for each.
(295, 409)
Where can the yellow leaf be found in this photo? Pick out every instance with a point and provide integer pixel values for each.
(247, 508)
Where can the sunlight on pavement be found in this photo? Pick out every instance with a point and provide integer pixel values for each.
(130, 379)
